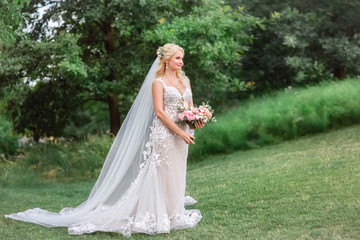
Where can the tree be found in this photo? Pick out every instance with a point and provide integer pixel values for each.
(58, 71)
(10, 19)
(214, 37)
(303, 41)
(110, 57)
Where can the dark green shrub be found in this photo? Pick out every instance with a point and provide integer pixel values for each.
(8, 142)
(89, 156)
(69, 160)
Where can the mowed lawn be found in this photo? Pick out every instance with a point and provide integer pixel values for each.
(303, 189)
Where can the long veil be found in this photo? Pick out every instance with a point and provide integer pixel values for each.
(120, 168)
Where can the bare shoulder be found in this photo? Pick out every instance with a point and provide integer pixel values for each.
(157, 83)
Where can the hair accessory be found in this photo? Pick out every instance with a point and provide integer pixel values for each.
(161, 52)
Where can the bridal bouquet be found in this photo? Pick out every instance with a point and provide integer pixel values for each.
(190, 114)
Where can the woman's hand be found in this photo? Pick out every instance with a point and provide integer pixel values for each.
(199, 124)
(188, 138)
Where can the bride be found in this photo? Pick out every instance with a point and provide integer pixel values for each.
(141, 187)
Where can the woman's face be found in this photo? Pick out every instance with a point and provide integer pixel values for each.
(176, 61)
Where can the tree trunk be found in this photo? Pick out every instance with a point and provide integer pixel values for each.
(114, 113)
(339, 72)
(109, 41)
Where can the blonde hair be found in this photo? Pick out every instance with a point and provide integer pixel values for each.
(165, 53)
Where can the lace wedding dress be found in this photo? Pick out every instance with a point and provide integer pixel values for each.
(152, 203)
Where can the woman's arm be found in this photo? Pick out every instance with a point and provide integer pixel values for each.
(191, 103)
(157, 92)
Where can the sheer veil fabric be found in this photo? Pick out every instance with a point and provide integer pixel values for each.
(128, 196)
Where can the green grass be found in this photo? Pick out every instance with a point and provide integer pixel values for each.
(302, 189)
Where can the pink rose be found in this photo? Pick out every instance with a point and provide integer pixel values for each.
(195, 111)
(190, 116)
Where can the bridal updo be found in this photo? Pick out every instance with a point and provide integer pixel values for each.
(164, 53)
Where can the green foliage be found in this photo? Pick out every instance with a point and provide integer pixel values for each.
(302, 42)
(41, 111)
(8, 142)
(11, 19)
(101, 52)
(91, 118)
(89, 57)
(214, 37)
(283, 52)
(346, 52)
(89, 156)
(286, 115)
(31, 61)
(56, 70)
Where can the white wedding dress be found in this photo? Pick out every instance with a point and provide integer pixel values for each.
(153, 202)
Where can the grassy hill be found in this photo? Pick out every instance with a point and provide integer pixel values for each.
(281, 116)
(302, 189)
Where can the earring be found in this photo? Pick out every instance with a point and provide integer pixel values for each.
(166, 65)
